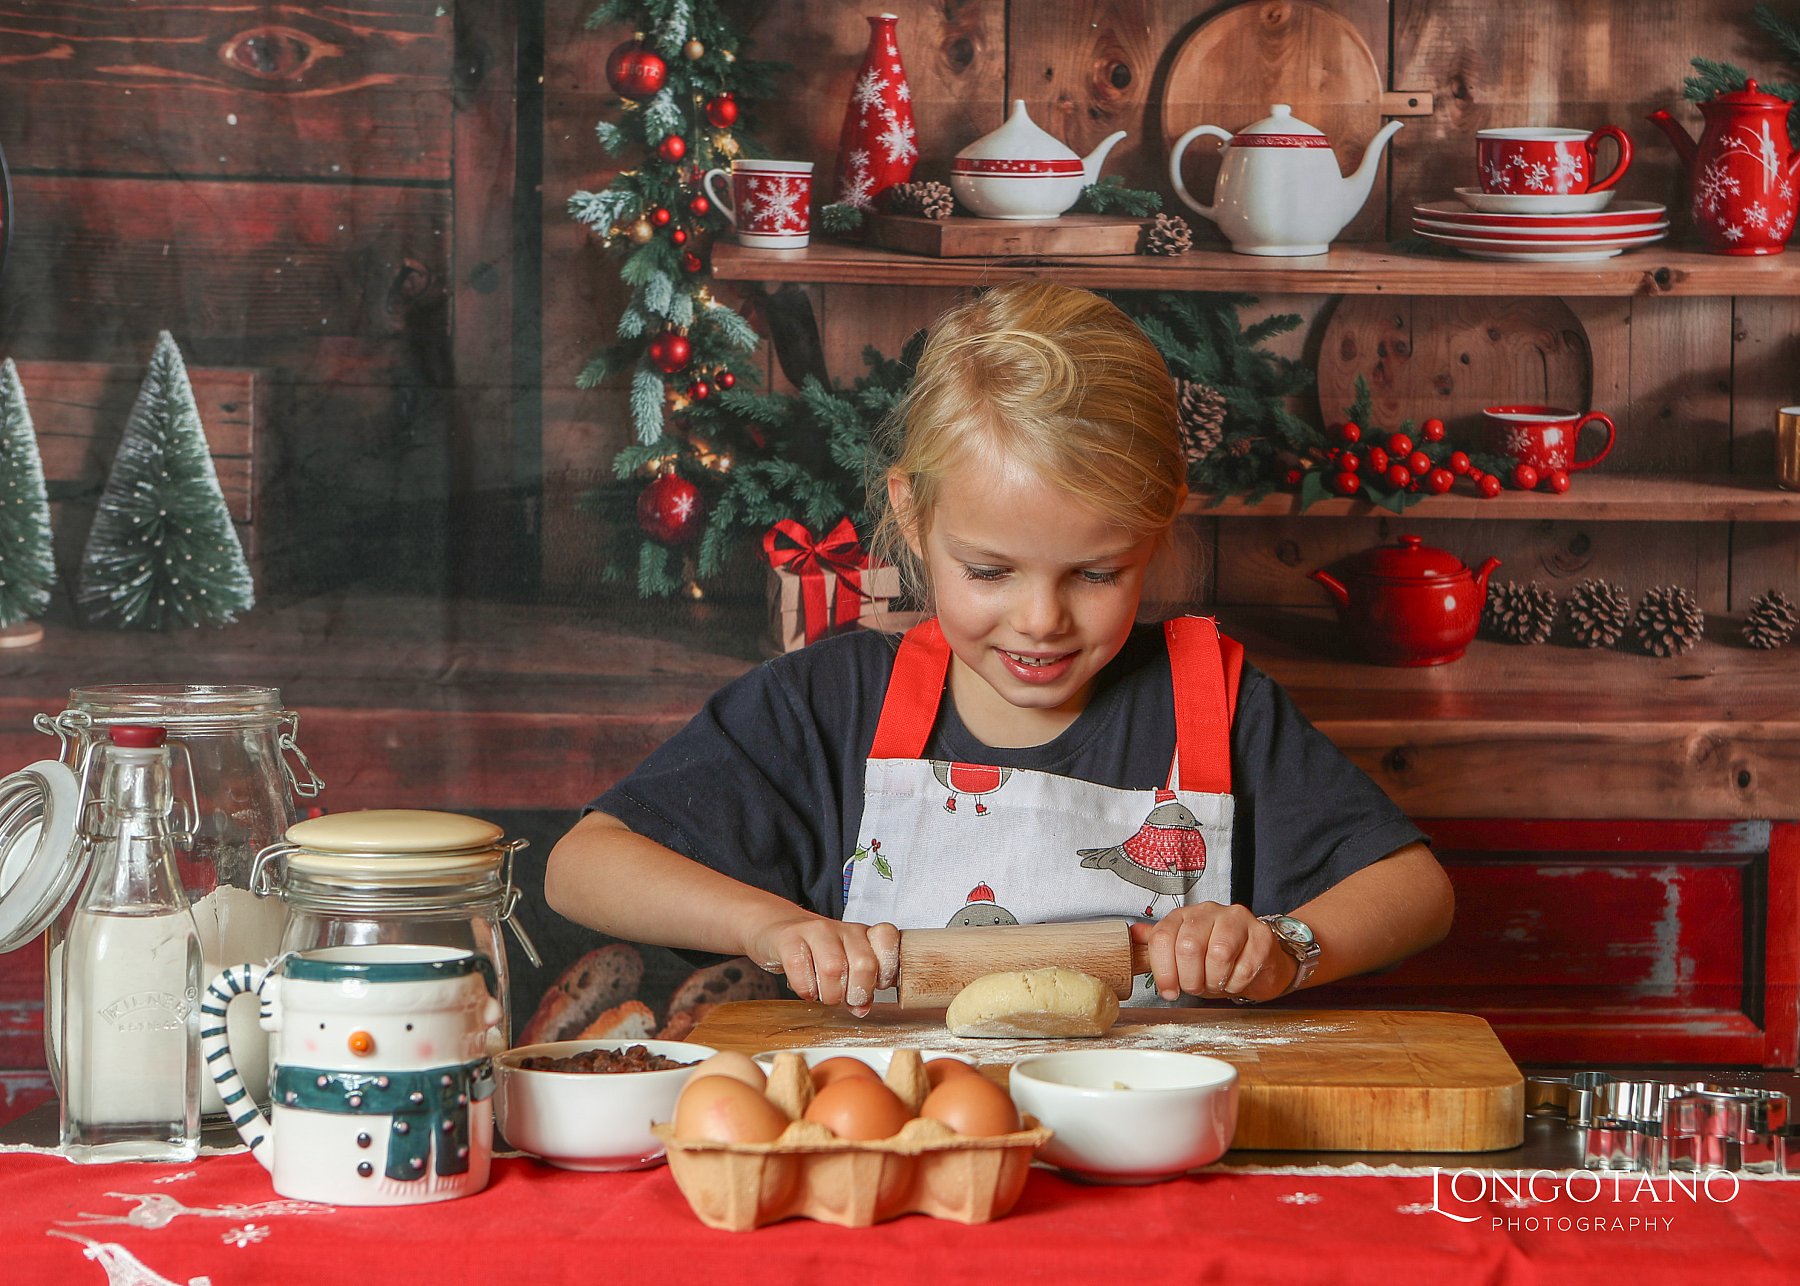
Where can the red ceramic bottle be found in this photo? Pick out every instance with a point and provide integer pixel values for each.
(878, 145)
(1741, 173)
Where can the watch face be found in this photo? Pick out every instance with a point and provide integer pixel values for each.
(1291, 930)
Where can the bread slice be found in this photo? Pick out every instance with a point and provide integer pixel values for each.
(603, 979)
(632, 1020)
(735, 979)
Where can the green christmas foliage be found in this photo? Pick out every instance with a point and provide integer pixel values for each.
(162, 552)
(1203, 339)
(1712, 77)
(27, 568)
(1110, 196)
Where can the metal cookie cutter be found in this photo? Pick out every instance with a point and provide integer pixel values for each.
(1571, 1097)
(1721, 1127)
(1626, 1132)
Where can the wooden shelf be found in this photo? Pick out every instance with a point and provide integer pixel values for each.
(1350, 269)
(1595, 497)
(421, 703)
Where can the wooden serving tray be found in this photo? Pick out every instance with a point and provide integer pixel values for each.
(965, 236)
(1350, 1080)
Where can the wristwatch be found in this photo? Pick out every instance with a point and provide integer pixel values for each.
(1296, 938)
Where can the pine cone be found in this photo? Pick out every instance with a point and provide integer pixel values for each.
(1168, 234)
(1520, 613)
(1599, 611)
(1202, 418)
(1669, 621)
(1771, 621)
(922, 200)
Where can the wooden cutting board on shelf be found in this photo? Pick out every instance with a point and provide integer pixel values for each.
(1319, 1079)
(967, 237)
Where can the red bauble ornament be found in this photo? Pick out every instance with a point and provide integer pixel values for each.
(669, 510)
(725, 379)
(635, 72)
(700, 390)
(670, 352)
(722, 111)
(699, 205)
(690, 262)
(660, 217)
(678, 237)
(672, 148)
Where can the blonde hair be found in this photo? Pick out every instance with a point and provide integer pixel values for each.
(1051, 379)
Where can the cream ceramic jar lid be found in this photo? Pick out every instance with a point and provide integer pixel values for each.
(393, 846)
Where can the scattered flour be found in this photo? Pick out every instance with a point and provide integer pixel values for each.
(1195, 1037)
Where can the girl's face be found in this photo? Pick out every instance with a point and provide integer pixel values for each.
(1035, 593)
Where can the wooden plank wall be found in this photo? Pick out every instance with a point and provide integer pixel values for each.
(274, 185)
(1692, 383)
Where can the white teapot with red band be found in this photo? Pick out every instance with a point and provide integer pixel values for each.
(1023, 172)
(1279, 190)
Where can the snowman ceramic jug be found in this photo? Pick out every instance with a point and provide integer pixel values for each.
(381, 1088)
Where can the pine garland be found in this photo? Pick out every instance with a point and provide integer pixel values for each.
(162, 552)
(1712, 77)
(27, 564)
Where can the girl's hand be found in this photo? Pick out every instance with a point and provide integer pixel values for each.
(1215, 951)
(831, 961)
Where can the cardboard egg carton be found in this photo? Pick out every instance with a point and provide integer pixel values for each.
(809, 1172)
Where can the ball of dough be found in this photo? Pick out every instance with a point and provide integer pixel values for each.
(1033, 1002)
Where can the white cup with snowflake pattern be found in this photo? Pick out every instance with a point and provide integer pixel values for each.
(770, 203)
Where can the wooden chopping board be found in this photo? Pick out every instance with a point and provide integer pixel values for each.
(964, 236)
(1320, 1079)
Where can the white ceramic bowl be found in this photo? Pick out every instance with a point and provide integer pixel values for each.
(1178, 1111)
(876, 1058)
(590, 1120)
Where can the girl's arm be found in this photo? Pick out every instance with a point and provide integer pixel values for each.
(1374, 917)
(608, 877)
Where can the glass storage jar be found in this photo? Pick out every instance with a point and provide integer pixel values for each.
(241, 773)
(399, 875)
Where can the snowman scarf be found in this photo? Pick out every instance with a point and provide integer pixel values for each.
(426, 1104)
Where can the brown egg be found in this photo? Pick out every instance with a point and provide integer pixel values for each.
(856, 1108)
(836, 1069)
(740, 1067)
(936, 1069)
(722, 1109)
(972, 1106)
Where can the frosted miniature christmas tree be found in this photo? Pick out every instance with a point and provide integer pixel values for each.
(162, 551)
(27, 567)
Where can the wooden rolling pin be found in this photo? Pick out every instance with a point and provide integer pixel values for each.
(935, 964)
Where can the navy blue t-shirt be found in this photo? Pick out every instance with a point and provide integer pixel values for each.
(765, 784)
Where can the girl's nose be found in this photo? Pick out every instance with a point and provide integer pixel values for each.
(361, 1044)
(1040, 613)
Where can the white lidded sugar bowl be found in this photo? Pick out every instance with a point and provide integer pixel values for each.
(1022, 172)
(1279, 190)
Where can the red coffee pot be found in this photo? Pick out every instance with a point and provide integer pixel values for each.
(1409, 604)
(1741, 173)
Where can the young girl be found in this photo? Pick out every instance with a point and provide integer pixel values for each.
(1030, 754)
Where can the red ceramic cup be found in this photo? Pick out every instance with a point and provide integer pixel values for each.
(770, 204)
(1544, 436)
(1545, 161)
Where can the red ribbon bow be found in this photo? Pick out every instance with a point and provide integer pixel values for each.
(791, 547)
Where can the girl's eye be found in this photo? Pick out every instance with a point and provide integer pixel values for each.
(982, 573)
(1094, 576)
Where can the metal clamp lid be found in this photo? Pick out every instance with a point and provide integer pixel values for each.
(42, 860)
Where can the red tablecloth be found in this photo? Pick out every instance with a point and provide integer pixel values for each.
(218, 1219)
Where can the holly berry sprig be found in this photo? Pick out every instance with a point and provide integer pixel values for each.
(1396, 470)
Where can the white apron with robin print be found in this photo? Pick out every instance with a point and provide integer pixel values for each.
(946, 844)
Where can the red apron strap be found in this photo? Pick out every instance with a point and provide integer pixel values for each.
(1205, 667)
(914, 692)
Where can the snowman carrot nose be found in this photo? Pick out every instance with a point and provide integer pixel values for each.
(361, 1043)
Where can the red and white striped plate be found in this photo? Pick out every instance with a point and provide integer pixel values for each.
(1540, 250)
(1620, 215)
(1540, 235)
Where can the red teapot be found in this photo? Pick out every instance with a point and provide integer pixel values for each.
(1408, 603)
(1742, 172)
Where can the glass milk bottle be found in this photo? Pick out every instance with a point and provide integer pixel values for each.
(130, 962)
(245, 771)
